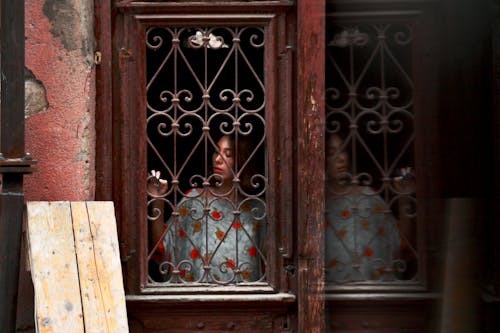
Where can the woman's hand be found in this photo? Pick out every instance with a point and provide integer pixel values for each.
(405, 182)
(156, 186)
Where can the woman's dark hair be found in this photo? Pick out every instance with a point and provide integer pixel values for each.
(361, 156)
(343, 135)
(246, 161)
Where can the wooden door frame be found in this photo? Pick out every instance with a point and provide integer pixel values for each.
(308, 144)
(310, 198)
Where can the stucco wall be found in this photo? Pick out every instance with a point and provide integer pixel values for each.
(59, 108)
(60, 99)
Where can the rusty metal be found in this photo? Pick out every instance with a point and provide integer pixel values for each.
(204, 83)
(17, 165)
(13, 160)
(369, 104)
(97, 57)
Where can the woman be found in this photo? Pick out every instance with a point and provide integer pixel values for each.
(362, 237)
(215, 233)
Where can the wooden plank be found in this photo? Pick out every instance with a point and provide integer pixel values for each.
(54, 269)
(96, 243)
(92, 302)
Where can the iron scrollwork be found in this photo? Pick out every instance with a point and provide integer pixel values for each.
(204, 84)
(371, 211)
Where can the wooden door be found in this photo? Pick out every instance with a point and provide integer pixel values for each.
(174, 77)
(292, 72)
(381, 105)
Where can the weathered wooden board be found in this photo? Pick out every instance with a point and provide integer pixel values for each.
(54, 270)
(99, 265)
(89, 245)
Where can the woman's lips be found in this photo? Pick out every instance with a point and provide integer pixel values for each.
(217, 170)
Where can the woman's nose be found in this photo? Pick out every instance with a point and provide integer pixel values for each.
(218, 159)
(342, 157)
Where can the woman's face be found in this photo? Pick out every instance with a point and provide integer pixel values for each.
(337, 160)
(223, 160)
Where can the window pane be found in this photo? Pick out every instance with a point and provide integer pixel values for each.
(206, 138)
(370, 193)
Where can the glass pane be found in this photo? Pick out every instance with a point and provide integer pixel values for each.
(370, 188)
(206, 138)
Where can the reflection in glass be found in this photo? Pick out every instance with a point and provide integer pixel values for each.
(370, 188)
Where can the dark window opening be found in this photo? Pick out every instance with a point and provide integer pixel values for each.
(206, 142)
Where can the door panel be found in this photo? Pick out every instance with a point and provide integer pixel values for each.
(157, 303)
(381, 74)
(291, 296)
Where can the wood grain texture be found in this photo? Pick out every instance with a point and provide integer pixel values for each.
(98, 257)
(310, 164)
(54, 269)
(75, 267)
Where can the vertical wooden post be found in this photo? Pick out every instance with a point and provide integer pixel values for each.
(13, 160)
(310, 154)
(12, 80)
(461, 307)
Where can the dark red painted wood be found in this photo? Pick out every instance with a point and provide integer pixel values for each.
(310, 164)
(125, 174)
(104, 101)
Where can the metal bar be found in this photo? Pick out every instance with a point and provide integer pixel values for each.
(13, 162)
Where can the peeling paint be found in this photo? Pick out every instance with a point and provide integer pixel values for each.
(35, 96)
(60, 133)
(62, 15)
(72, 22)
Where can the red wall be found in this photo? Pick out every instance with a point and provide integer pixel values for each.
(60, 131)
(61, 137)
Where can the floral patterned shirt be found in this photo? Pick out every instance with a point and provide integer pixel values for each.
(215, 240)
(362, 237)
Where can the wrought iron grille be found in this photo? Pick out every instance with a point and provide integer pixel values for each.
(371, 220)
(205, 93)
